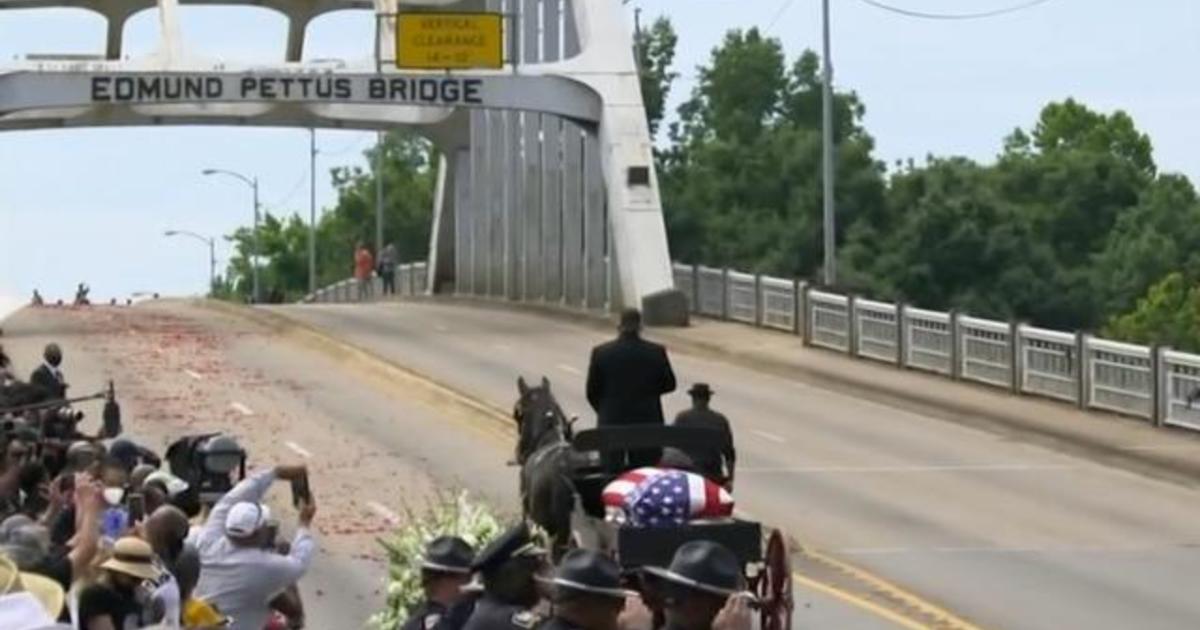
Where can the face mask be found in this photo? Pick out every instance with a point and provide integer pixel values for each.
(113, 496)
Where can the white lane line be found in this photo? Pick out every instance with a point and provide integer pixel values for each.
(383, 511)
(297, 449)
(569, 369)
(502, 347)
(195, 375)
(441, 327)
(770, 437)
(240, 408)
(908, 469)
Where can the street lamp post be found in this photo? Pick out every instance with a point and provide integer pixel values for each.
(827, 152)
(212, 254)
(252, 182)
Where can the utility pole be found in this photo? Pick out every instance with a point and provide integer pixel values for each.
(312, 210)
(379, 193)
(379, 137)
(830, 266)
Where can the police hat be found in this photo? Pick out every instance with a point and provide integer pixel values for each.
(702, 390)
(706, 566)
(448, 554)
(586, 571)
(515, 542)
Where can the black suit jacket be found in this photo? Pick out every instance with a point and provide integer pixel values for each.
(44, 378)
(626, 379)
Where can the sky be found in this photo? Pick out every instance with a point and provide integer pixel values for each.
(90, 205)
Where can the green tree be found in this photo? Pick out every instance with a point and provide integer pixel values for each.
(655, 54)
(742, 182)
(1169, 315)
(408, 176)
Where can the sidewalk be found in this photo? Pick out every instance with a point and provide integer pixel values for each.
(1131, 443)
(1134, 444)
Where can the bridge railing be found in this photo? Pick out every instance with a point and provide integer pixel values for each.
(1152, 383)
(411, 279)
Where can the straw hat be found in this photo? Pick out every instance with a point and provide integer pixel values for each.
(48, 592)
(133, 556)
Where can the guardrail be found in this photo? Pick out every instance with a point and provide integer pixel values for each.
(411, 279)
(1152, 383)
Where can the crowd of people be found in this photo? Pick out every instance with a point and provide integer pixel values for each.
(98, 532)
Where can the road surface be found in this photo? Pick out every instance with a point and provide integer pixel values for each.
(375, 447)
(1007, 533)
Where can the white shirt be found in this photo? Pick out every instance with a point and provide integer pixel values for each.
(166, 593)
(241, 581)
(22, 611)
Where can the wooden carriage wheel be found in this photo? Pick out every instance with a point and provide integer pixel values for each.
(774, 585)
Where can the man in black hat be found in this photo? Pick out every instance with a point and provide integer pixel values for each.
(703, 588)
(444, 572)
(587, 592)
(717, 462)
(626, 379)
(508, 566)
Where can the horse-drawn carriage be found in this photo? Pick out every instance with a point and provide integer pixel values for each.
(564, 474)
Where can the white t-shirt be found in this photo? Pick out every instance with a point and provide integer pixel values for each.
(166, 594)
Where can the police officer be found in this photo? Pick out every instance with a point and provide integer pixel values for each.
(587, 593)
(508, 566)
(445, 570)
(703, 589)
(717, 461)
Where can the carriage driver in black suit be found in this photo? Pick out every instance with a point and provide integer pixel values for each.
(626, 379)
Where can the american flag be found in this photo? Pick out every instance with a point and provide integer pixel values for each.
(658, 497)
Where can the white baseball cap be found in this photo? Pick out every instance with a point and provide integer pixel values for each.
(245, 518)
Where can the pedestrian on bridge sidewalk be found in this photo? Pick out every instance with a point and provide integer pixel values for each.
(364, 266)
(387, 269)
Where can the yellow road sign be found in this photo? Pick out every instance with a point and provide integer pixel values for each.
(437, 41)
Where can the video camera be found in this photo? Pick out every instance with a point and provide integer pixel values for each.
(207, 462)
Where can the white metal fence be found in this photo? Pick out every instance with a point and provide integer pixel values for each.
(1156, 384)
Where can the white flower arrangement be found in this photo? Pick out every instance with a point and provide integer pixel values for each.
(447, 514)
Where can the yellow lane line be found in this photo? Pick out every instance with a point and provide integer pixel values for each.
(859, 602)
(945, 617)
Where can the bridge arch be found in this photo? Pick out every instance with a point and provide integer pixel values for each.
(546, 191)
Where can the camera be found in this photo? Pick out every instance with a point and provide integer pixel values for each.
(207, 463)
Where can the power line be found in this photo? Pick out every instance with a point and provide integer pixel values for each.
(1029, 4)
(353, 144)
(292, 193)
(783, 7)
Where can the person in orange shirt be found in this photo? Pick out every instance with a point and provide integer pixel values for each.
(364, 265)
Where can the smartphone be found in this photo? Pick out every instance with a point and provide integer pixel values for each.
(300, 491)
(137, 507)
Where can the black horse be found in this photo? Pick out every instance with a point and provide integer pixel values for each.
(544, 454)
